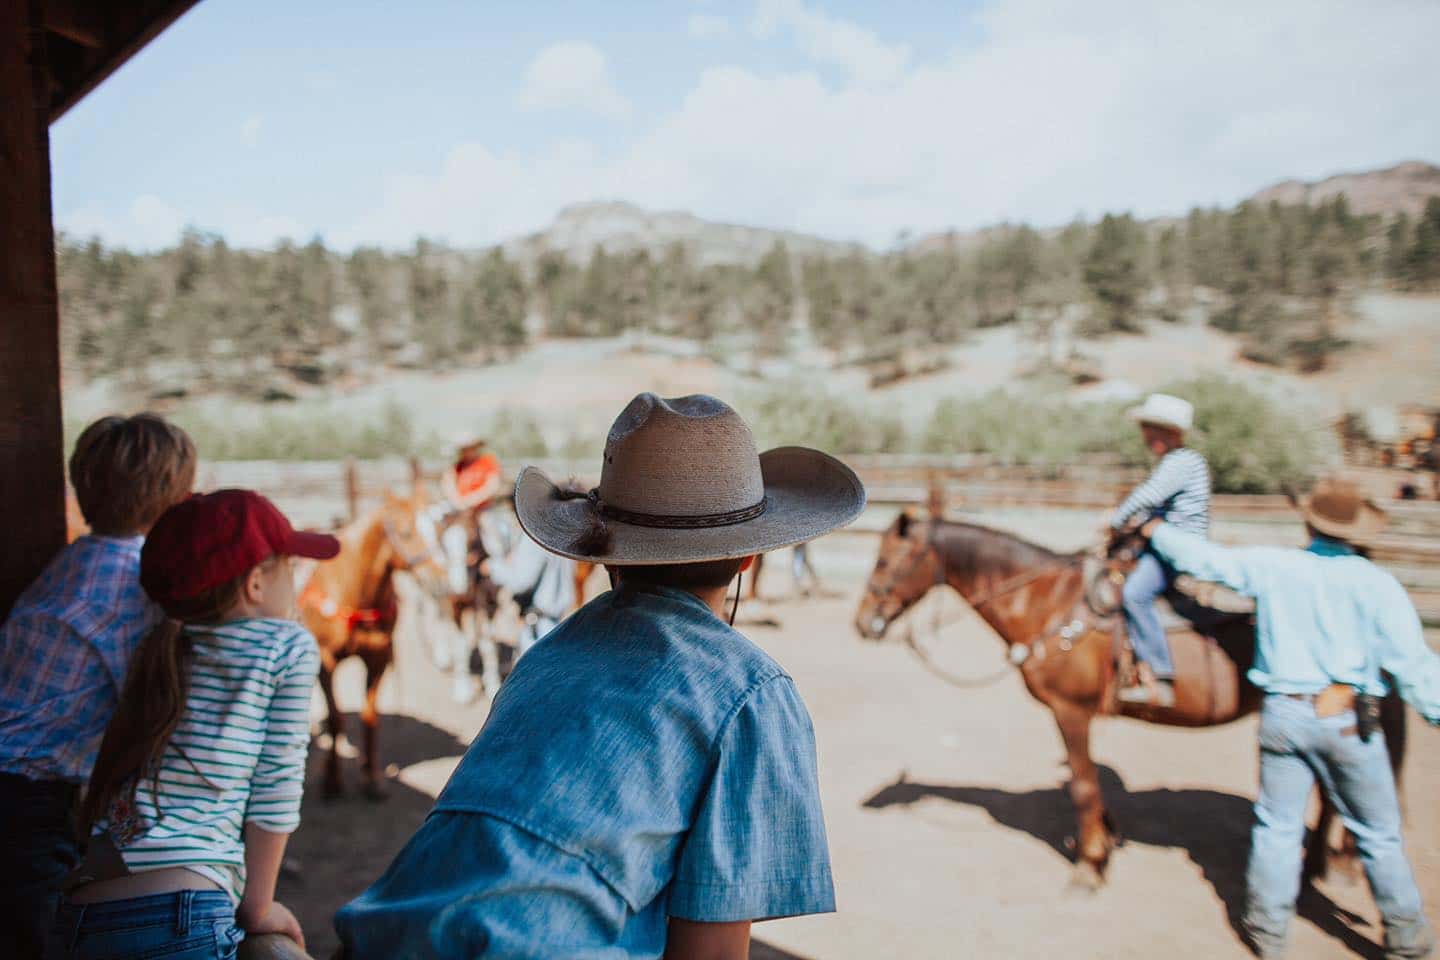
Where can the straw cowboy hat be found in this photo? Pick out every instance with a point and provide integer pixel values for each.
(681, 483)
(1337, 508)
(1163, 410)
(465, 439)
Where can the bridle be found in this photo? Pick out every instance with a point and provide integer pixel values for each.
(1069, 629)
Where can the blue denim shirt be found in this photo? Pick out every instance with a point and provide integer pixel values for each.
(645, 761)
(1323, 616)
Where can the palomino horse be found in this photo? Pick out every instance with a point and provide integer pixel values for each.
(349, 604)
(1062, 634)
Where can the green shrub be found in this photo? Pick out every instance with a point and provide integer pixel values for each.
(304, 433)
(1253, 446)
(798, 414)
(1027, 429)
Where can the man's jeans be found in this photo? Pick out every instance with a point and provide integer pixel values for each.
(38, 850)
(1296, 748)
(1150, 578)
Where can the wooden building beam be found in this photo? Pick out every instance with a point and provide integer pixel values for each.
(32, 471)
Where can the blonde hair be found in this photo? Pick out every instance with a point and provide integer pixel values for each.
(126, 471)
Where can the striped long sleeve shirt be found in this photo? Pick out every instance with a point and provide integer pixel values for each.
(237, 756)
(1178, 489)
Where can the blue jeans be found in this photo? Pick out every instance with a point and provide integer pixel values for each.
(1150, 578)
(37, 851)
(1296, 749)
(188, 925)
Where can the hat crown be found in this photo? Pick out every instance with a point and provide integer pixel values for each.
(683, 457)
(1165, 409)
(1336, 501)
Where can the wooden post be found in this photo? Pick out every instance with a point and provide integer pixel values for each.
(352, 489)
(32, 457)
(417, 477)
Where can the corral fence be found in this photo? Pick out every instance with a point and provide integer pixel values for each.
(326, 494)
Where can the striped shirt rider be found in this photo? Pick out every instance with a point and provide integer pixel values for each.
(1178, 489)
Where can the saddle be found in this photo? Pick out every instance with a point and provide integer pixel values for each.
(1189, 605)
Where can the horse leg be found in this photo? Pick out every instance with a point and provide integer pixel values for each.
(462, 687)
(375, 665)
(482, 632)
(334, 724)
(1094, 841)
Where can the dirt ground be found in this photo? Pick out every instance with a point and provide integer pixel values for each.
(948, 826)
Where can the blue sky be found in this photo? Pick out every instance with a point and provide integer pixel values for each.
(474, 122)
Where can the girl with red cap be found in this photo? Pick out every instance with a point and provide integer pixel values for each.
(197, 785)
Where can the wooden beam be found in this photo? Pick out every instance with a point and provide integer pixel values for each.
(127, 29)
(32, 469)
(76, 20)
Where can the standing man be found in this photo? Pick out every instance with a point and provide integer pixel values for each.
(1178, 490)
(1328, 622)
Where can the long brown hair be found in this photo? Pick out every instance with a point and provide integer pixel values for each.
(150, 707)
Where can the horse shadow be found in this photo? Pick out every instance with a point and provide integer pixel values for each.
(1212, 827)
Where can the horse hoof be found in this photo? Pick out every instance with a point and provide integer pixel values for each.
(465, 691)
(376, 793)
(1086, 878)
(331, 792)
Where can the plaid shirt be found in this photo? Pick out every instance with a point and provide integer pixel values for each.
(63, 655)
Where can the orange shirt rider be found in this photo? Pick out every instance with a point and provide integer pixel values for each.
(472, 483)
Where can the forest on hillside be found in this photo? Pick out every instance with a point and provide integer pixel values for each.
(235, 319)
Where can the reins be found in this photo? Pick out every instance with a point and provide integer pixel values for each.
(1005, 588)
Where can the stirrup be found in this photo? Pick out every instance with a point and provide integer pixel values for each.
(1159, 693)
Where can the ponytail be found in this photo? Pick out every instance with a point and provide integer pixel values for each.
(151, 705)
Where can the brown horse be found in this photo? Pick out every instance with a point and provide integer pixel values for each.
(1057, 614)
(349, 604)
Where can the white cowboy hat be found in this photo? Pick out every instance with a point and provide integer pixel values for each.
(462, 439)
(1163, 410)
(681, 483)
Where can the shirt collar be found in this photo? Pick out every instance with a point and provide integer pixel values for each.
(1323, 546)
(133, 542)
(673, 593)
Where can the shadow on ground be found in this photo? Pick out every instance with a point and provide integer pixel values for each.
(1213, 828)
(344, 844)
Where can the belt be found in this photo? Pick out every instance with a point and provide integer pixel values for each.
(1336, 698)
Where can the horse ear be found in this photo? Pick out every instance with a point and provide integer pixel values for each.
(935, 499)
(902, 523)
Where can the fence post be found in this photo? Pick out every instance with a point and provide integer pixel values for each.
(352, 488)
(417, 476)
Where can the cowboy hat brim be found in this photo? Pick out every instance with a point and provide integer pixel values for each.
(1369, 521)
(807, 493)
(1141, 415)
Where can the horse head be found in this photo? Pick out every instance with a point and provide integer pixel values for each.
(410, 532)
(907, 567)
(1118, 558)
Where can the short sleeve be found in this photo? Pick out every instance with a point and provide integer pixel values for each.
(757, 849)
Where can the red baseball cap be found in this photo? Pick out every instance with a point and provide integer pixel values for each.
(212, 538)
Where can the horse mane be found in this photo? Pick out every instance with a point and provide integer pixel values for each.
(970, 550)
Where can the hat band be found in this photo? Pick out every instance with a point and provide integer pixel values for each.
(674, 522)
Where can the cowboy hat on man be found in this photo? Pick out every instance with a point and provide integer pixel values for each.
(1330, 626)
(646, 781)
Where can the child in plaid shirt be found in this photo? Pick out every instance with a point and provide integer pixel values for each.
(64, 652)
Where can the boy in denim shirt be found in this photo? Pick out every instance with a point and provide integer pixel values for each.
(64, 651)
(646, 782)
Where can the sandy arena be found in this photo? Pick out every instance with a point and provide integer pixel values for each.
(948, 826)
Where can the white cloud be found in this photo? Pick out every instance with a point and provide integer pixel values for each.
(1048, 110)
(572, 75)
(831, 41)
(250, 130)
(708, 25)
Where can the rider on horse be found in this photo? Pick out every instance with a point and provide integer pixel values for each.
(1179, 491)
(1330, 626)
(470, 485)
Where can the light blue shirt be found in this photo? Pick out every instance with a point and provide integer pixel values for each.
(1323, 616)
(646, 761)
